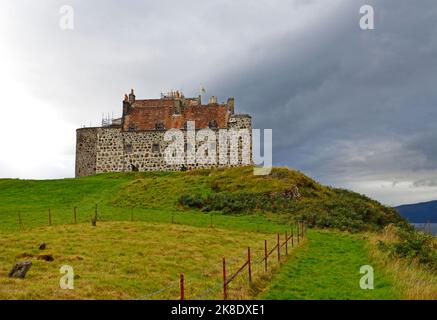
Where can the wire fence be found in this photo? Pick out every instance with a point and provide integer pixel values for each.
(26, 218)
(291, 240)
(254, 266)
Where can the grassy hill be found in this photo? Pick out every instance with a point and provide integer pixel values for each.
(232, 192)
(153, 226)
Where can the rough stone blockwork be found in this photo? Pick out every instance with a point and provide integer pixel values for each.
(135, 142)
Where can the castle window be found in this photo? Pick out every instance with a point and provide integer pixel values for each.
(155, 147)
(212, 124)
(159, 126)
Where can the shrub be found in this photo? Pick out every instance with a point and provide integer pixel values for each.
(345, 210)
(190, 200)
(412, 245)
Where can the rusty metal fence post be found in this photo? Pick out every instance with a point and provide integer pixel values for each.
(265, 255)
(249, 264)
(225, 285)
(182, 286)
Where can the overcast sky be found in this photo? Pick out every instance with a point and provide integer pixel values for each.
(348, 107)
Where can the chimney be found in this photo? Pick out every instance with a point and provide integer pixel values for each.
(131, 96)
(126, 105)
(231, 104)
(212, 100)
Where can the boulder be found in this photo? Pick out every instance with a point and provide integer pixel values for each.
(20, 269)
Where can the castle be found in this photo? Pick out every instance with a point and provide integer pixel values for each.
(136, 141)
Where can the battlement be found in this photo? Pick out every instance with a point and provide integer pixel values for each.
(173, 111)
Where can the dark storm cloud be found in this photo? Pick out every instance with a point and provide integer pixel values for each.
(349, 107)
(345, 103)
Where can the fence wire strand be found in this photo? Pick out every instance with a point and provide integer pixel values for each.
(173, 285)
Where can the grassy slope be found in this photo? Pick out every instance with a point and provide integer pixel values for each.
(128, 260)
(328, 268)
(414, 281)
(154, 197)
(115, 195)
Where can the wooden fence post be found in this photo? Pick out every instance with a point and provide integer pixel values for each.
(94, 219)
(279, 249)
(20, 221)
(286, 243)
(182, 286)
(50, 217)
(225, 285)
(265, 255)
(298, 233)
(210, 222)
(75, 214)
(249, 264)
(292, 238)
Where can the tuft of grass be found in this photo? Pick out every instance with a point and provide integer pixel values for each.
(413, 280)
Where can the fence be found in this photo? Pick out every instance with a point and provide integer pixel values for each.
(247, 265)
(50, 215)
(25, 218)
(297, 233)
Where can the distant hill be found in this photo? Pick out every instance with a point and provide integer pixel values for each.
(419, 212)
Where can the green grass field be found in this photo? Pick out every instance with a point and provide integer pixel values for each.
(242, 200)
(31, 200)
(328, 268)
(130, 260)
(145, 237)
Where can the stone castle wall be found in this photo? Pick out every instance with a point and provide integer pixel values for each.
(107, 149)
(86, 151)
